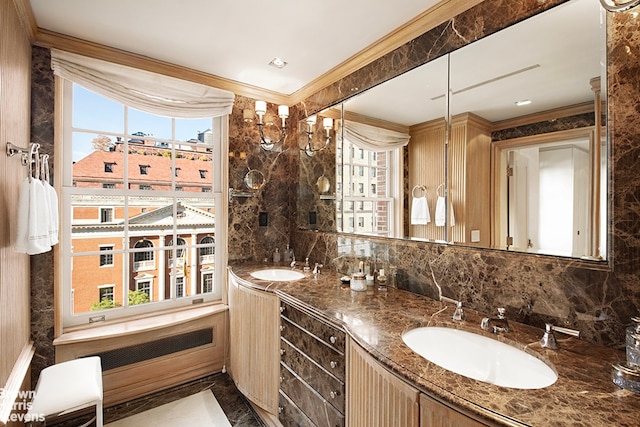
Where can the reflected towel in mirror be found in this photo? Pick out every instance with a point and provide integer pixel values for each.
(441, 213)
(420, 211)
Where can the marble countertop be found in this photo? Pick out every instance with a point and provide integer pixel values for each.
(583, 395)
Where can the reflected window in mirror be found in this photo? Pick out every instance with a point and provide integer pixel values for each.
(372, 195)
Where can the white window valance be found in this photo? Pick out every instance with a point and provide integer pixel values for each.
(146, 91)
(373, 137)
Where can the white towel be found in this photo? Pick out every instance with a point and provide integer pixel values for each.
(441, 213)
(420, 211)
(33, 219)
(52, 208)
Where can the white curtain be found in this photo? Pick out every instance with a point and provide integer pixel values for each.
(146, 91)
(372, 137)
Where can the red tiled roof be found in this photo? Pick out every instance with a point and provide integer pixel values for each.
(91, 168)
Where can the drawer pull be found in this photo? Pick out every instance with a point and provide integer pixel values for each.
(281, 328)
(333, 364)
(281, 351)
(280, 409)
(282, 308)
(281, 379)
(333, 394)
(333, 339)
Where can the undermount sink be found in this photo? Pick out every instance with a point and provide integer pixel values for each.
(277, 275)
(480, 357)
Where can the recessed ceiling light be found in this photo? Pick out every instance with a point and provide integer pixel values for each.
(523, 102)
(278, 63)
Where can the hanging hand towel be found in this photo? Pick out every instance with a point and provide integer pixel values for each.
(441, 214)
(33, 219)
(52, 202)
(420, 211)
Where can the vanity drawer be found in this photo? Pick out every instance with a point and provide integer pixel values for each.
(331, 336)
(290, 415)
(327, 385)
(314, 406)
(322, 353)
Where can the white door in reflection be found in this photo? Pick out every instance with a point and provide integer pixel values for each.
(548, 198)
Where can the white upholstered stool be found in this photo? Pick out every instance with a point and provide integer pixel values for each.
(67, 387)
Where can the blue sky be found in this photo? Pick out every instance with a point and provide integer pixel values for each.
(95, 112)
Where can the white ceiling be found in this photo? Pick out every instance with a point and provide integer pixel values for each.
(234, 39)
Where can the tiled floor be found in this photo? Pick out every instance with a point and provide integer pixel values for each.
(233, 403)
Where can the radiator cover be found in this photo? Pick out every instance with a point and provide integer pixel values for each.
(140, 352)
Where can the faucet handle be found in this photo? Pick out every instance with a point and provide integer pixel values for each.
(549, 340)
(567, 331)
(502, 312)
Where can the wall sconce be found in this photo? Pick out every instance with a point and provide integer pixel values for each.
(267, 143)
(327, 124)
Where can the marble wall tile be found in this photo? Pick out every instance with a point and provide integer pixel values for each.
(42, 314)
(247, 239)
(597, 298)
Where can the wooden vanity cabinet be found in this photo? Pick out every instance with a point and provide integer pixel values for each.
(254, 344)
(436, 414)
(377, 398)
(312, 370)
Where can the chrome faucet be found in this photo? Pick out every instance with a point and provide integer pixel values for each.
(458, 314)
(548, 340)
(496, 324)
(316, 269)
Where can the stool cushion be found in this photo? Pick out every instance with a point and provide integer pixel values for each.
(68, 386)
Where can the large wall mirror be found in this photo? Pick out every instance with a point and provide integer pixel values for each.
(500, 144)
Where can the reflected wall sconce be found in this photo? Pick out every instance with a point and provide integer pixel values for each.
(327, 124)
(266, 142)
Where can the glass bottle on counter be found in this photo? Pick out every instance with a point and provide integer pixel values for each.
(633, 343)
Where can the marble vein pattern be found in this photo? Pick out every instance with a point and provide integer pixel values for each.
(598, 298)
(583, 394)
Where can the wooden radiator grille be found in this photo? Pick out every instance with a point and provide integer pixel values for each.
(140, 352)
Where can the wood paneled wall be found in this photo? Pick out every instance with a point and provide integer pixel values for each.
(470, 186)
(15, 100)
(427, 168)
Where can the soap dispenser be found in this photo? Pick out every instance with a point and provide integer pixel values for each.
(287, 255)
(276, 256)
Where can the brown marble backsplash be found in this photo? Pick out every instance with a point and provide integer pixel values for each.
(534, 289)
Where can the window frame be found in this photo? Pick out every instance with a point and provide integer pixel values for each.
(106, 256)
(102, 288)
(393, 189)
(66, 187)
(104, 211)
